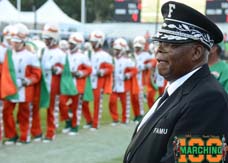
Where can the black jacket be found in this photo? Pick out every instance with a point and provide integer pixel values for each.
(198, 107)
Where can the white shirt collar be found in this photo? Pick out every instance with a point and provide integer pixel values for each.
(170, 89)
(177, 83)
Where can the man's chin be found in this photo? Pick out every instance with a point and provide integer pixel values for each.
(162, 71)
(165, 75)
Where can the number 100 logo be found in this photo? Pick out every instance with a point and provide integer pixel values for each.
(197, 149)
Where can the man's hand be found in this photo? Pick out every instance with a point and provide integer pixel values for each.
(26, 82)
(79, 74)
(56, 70)
(127, 76)
(101, 72)
(148, 66)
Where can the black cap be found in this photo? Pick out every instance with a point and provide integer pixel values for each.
(184, 24)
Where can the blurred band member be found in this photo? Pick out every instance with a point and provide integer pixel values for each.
(64, 46)
(52, 64)
(143, 64)
(80, 69)
(20, 72)
(101, 76)
(156, 82)
(218, 67)
(124, 71)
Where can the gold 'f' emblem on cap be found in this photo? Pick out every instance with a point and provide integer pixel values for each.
(171, 7)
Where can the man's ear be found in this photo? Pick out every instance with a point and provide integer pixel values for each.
(198, 52)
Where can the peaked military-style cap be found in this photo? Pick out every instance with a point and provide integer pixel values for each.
(184, 24)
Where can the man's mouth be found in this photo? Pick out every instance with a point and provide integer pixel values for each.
(161, 61)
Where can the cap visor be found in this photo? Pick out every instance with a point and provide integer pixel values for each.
(46, 37)
(163, 37)
(16, 40)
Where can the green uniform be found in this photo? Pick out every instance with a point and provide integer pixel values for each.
(220, 71)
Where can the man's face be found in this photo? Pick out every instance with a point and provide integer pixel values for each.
(93, 43)
(17, 46)
(137, 49)
(116, 53)
(71, 46)
(174, 60)
(47, 42)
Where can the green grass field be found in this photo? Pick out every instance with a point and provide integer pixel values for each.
(106, 117)
(107, 145)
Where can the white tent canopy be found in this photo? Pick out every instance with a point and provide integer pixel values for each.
(50, 13)
(8, 12)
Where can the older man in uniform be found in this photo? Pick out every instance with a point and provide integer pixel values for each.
(194, 103)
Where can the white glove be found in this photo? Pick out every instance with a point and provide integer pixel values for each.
(79, 74)
(101, 72)
(26, 82)
(148, 66)
(141, 68)
(19, 82)
(56, 70)
(127, 76)
(22, 82)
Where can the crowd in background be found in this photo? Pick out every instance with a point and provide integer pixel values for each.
(65, 76)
